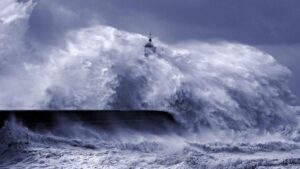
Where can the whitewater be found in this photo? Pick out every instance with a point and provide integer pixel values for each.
(232, 100)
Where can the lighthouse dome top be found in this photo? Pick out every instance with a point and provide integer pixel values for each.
(149, 44)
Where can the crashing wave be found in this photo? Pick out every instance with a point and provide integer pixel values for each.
(21, 147)
(214, 89)
(215, 86)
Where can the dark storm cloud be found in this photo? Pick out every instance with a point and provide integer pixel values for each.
(251, 22)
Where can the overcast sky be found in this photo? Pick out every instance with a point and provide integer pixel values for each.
(271, 25)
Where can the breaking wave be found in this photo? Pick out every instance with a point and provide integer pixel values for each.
(91, 148)
(233, 97)
(204, 85)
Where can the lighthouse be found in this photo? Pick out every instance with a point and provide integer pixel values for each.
(149, 48)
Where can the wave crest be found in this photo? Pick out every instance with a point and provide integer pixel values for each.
(217, 86)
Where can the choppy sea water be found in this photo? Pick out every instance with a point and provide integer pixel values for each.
(87, 147)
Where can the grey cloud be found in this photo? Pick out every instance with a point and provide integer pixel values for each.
(251, 22)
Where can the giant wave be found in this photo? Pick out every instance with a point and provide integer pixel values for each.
(222, 85)
(222, 91)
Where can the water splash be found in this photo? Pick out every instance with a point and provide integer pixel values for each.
(205, 85)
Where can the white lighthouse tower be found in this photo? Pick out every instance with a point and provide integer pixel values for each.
(149, 48)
